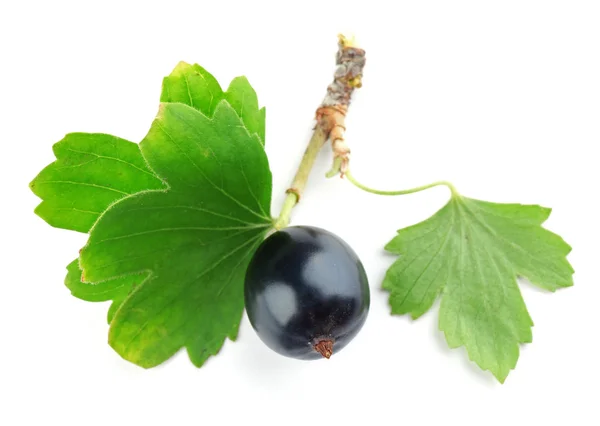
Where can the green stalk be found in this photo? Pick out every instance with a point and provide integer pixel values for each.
(330, 115)
(296, 190)
(356, 183)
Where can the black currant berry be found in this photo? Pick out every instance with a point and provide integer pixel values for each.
(306, 292)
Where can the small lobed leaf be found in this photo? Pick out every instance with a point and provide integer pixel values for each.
(471, 252)
(191, 242)
(116, 289)
(242, 97)
(91, 171)
(192, 85)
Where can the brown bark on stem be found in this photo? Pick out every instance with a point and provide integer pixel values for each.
(332, 112)
(330, 117)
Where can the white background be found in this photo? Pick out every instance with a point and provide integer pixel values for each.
(501, 98)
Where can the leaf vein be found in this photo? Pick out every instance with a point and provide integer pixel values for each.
(69, 182)
(221, 190)
(183, 228)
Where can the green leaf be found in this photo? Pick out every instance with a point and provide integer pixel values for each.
(192, 242)
(116, 289)
(94, 170)
(242, 98)
(91, 172)
(471, 252)
(194, 86)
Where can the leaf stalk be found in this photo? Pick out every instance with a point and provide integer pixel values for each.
(359, 185)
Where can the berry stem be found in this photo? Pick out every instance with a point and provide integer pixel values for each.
(330, 125)
(294, 193)
(356, 183)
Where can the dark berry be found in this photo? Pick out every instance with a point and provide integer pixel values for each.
(306, 292)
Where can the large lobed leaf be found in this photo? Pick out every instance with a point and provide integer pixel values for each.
(471, 252)
(92, 171)
(192, 241)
